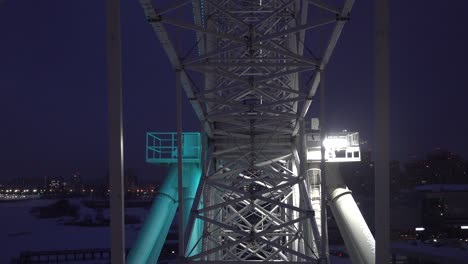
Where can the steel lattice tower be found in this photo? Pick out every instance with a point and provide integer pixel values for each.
(251, 71)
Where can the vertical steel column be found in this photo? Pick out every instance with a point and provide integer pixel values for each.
(382, 87)
(324, 257)
(311, 233)
(303, 192)
(114, 79)
(179, 166)
(191, 238)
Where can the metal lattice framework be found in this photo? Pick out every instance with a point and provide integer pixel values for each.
(251, 70)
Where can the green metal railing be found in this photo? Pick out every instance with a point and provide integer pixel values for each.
(161, 147)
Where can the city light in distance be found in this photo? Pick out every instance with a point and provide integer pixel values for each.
(419, 229)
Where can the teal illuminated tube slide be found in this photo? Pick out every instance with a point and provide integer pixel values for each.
(189, 196)
(152, 236)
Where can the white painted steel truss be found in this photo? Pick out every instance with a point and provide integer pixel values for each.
(250, 70)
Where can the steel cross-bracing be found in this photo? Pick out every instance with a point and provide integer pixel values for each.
(250, 70)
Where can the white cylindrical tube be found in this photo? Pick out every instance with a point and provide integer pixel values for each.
(353, 227)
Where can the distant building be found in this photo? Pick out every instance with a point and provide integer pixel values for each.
(75, 183)
(405, 213)
(56, 185)
(444, 209)
(439, 167)
(130, 180)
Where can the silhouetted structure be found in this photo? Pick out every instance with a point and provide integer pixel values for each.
(439, 167)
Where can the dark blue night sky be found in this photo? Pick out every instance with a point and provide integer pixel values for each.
(53, 109)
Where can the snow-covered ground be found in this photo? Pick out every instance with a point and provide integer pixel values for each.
(21, 231)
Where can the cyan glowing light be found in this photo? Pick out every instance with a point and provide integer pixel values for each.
(161, 147)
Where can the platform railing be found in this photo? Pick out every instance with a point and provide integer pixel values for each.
(161, 147)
